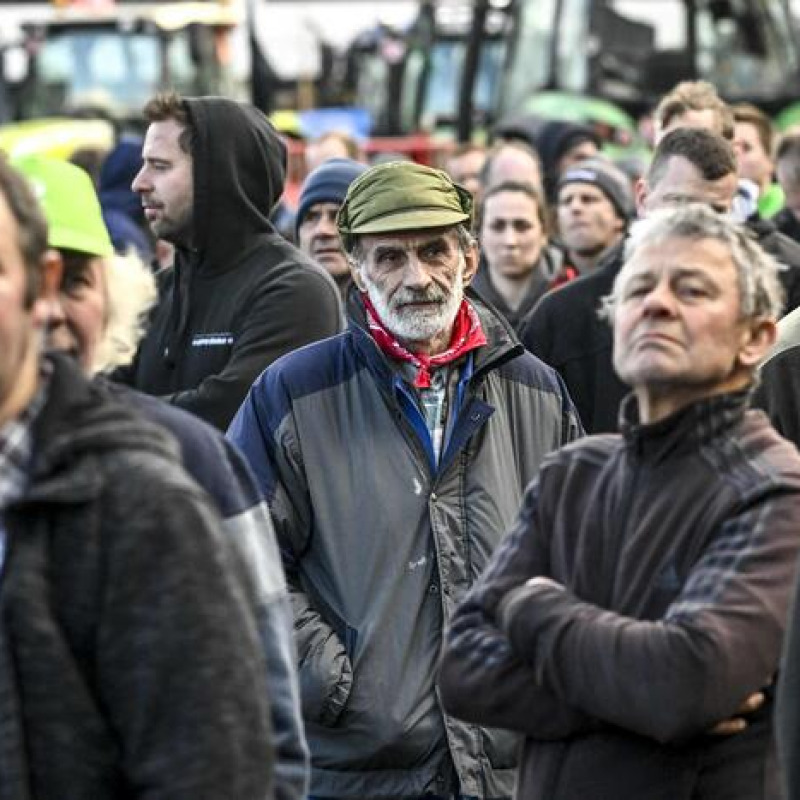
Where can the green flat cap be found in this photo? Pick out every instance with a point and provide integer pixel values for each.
(401, 196)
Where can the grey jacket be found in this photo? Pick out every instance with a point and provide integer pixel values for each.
(380, 544)
(130, 660)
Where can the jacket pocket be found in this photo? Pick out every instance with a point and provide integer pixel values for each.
(502, 747)
(326, 678)
(325, 670)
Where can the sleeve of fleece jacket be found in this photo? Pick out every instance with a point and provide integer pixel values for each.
(263, 430)
(177, 661)
(672, 678)
(787, 706)
(283, 315)
(481, 678)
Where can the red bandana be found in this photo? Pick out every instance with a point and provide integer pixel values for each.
(467, 335)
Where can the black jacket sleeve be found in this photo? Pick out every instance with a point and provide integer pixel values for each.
(280, 318)
(482, 678)
(778, 393)
(787, 707)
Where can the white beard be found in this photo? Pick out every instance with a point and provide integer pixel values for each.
(418, 325)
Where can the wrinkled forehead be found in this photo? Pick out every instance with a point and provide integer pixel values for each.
(408, 240)
(672, 255)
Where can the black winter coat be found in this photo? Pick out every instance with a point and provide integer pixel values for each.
(565, 331)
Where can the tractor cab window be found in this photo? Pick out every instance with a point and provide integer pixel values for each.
(93, 70)
(633, 51)
(744, 48)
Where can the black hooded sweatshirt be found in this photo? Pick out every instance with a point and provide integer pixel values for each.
(242, 296)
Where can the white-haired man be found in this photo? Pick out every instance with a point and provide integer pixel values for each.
(641, 597)
(394, 456)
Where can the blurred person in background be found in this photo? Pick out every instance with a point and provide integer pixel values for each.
(696, 104)
(513, 160)
(517, 266)
(130, 664)
(464, 165)
(122, 207)
(238, 295)
(564, 329)
(753, 141)
(560, 145)
(99, 319)
(333, 144)
(693, 104)
(321, 196)
(90, 159)
(557, 143)
(787, 167)
(594, 204)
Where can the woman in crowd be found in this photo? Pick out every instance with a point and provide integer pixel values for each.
(517, 264)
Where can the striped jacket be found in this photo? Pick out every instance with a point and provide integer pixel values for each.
(380, 542)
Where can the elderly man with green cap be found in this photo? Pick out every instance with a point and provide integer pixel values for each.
(394, 457)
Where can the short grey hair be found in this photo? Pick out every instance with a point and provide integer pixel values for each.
(465, 241)
(760, 291)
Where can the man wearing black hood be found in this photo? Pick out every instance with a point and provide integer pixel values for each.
(559, 143)
(238, 295)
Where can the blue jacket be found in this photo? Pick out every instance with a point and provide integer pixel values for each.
(220, 469)
(380, 542)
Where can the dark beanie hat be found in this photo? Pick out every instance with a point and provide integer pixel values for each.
(610, 180)
(328, 183)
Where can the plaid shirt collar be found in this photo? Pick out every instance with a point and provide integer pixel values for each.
(16, 445)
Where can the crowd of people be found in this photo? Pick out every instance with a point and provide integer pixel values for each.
(458, 483)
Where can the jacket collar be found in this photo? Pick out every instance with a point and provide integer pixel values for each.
(77, 421)
(687, 430)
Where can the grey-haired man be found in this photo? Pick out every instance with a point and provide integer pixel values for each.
(641, 597)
